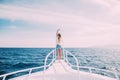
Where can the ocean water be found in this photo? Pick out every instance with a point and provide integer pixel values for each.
(13, 59)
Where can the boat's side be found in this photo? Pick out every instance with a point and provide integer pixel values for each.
(62, 71)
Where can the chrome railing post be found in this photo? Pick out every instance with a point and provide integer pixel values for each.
(55, 53)
(29, 74)
(63, 54)
(90, 70)
(30, 71)
(66, 57)
(116, 76)
(4, 77)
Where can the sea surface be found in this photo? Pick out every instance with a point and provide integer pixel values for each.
(14, 59)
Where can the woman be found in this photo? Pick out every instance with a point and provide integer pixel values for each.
(58, 44)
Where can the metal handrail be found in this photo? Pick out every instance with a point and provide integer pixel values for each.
(29, 69)
(66, 58)
(53, 52)
(54, 57)
(89, 68)
(65, 52)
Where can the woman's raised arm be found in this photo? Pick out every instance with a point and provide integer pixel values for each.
(57, 31)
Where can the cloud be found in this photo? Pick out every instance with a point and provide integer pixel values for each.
(44, 16)
(112, 12)
(35, 15)
(101, 2)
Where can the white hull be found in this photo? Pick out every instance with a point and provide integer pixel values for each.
(62, 71)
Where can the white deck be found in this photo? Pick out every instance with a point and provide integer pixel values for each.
(61, 71)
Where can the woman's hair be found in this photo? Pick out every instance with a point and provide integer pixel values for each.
(59, 36)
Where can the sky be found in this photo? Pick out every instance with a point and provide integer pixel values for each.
(83, 23)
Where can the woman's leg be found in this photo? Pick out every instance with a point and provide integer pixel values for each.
(60, 53)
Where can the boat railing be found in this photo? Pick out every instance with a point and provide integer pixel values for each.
(65, 57)
(53, 53)
(4, 76)
(90, 69)
(66, 53)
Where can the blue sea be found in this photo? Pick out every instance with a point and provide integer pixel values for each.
(13, 59)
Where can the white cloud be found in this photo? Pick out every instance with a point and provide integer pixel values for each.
(39, 15)
(101, 2)
(112, 5)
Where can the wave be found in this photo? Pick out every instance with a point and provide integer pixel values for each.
(4, 64)
(2, 72)
(25, 64)
(3, 58)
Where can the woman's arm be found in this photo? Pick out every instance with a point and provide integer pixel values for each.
(58, 31)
